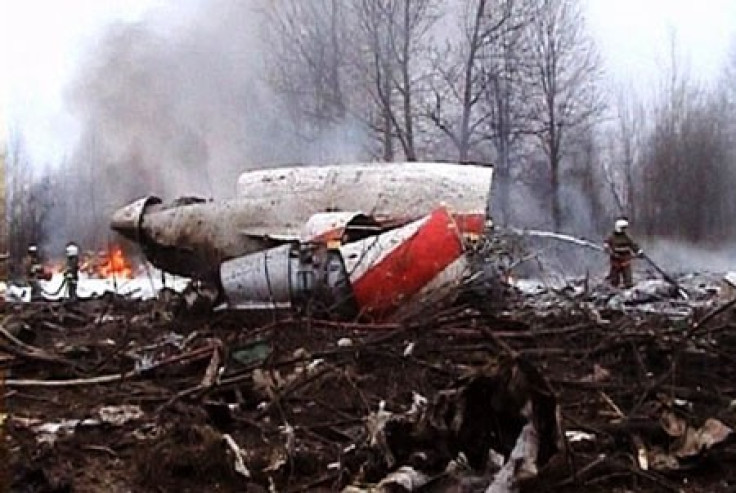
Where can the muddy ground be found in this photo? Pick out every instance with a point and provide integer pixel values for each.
(165, 392)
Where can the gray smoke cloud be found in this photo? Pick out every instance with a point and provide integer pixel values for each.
(178, 104)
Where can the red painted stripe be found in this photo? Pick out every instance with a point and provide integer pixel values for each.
(470, 223)
(466, 223)
(409, 267)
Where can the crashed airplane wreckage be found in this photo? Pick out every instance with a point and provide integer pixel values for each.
(376, 241)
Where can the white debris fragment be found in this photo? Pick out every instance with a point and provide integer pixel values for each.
(579, 436)
(49, 432)
(529, 286)
(375, 424)
(409, 349)
(344, 342)
(18, 293)
(730, 278)
(405, 477)
(418, 403)
(240, 467)
(288, 431)
(642, 459)
(682, 403)
(496, 458)
(89, 287)
(64, 425)
(522, 463)
(119, 415)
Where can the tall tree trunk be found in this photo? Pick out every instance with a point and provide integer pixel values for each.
(387, 120)
(408, 140)
(554, 181)
(464, 140)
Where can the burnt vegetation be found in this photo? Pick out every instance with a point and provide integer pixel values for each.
(114, 394)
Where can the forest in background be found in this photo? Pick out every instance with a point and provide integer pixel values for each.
(518, 84)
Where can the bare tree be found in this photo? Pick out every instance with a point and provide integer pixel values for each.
(460, 82)
(502, 65)
(688, 176)
(376, 65)
(405, 24)
(333, 60)
(564, 70)
(307, 63)
(622, 158)
(631, 116)
(688, 180)
(28, 200)
(581, 185)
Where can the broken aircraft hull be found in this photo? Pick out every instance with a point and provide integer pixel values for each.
(351, 208)
(388, 276)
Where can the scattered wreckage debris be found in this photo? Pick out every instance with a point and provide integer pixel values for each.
(556, 391)
(582, 242)
(502, 422)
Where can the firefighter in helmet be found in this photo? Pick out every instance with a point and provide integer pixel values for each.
(71, 272)
(34, 271)
(621, 250)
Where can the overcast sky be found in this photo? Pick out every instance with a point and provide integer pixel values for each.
(43, 39)
(635, 35)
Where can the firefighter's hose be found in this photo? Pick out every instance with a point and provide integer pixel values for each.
(680, 292)
(56, 293)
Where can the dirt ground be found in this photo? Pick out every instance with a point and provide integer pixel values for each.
(152, 399)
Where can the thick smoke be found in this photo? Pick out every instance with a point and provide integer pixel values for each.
(176, 104)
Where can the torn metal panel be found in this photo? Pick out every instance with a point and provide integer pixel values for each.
(334, 228)
(396, 268)
(290, 276)
(265, 279)
(377, 277)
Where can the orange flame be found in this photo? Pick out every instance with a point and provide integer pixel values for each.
(56, 267)
(116, 265)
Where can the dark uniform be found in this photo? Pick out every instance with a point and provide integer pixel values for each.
(34, 272)
(622, 249)
(71, 272)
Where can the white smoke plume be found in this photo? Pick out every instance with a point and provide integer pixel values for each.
(177, 104)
